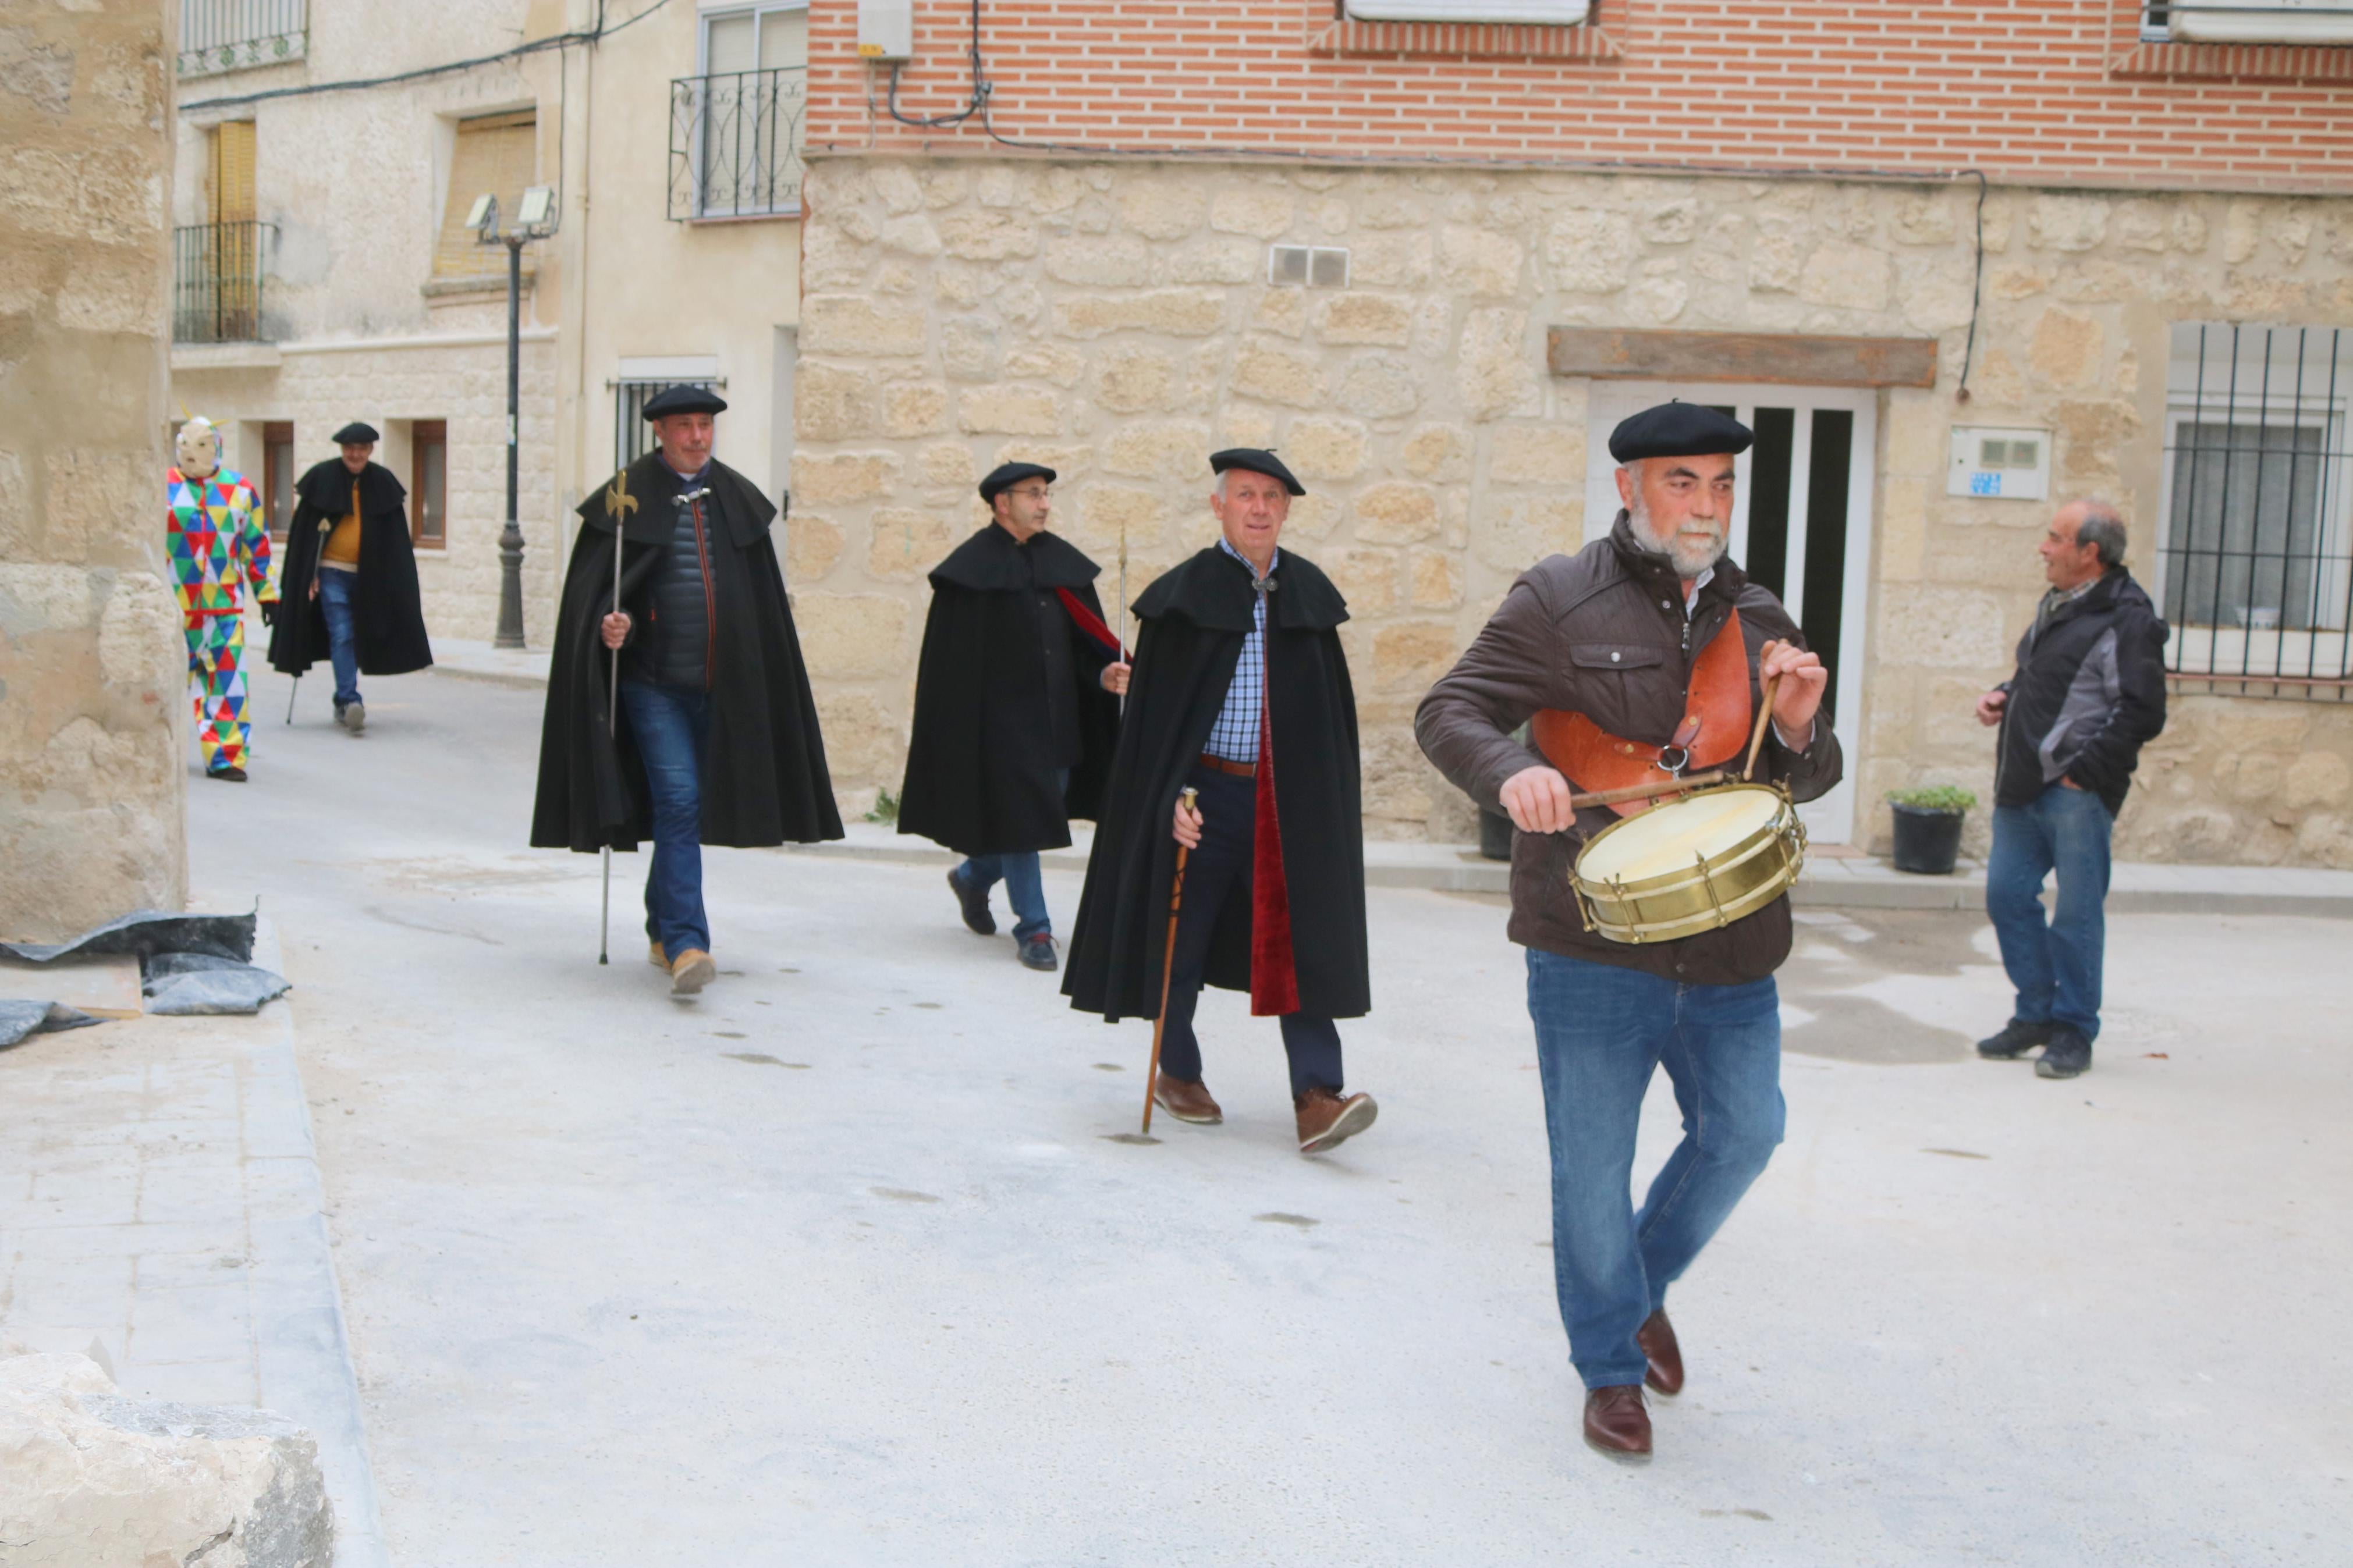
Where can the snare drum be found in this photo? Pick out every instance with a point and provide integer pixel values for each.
(1691, 865)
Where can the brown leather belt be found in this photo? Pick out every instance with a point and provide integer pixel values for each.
(1239, 770)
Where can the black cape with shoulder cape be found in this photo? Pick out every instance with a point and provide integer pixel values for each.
(764, 776)
(980, 774)
(1195, 618)
(388, 617)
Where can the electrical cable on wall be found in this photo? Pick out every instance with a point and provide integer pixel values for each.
(1977, 294)
(536, 46)
(978, 104)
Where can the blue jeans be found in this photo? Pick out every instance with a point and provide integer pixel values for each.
(2054, 964)
(1601, 1031)
(671, 728)
(336, 592)
(1017, 869)
(1023, 889)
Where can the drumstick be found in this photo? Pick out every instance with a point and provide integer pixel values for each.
(1646, 790)
(1765, 716)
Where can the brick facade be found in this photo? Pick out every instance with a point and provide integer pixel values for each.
(2050, 91)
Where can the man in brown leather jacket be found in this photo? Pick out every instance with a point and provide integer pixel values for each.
(1622, 633)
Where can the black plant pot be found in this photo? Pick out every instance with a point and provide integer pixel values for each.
(1926, 841)
(1494, 834)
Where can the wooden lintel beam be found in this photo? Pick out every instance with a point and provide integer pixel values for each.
(1781, 358)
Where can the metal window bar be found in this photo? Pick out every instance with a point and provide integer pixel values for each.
(2257, 563)
(632, 437)
(217, 282)
(735, 143)
(231, 35)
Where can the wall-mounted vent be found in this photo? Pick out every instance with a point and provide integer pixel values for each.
(1308, 266)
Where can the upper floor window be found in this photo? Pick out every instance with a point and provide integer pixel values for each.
(494, 152)
(735, 128)
(2248, 21)
(1549, 13)
(230, 35)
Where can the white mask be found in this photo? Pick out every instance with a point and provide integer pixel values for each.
(199, 449)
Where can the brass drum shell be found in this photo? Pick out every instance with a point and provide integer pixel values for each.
(1708, 894)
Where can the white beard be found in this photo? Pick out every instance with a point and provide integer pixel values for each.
(1689, 552)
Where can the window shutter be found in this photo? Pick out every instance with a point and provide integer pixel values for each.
(1551, 13)
(232, 172)
(497, 152)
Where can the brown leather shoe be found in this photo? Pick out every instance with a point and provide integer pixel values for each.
(691, 973)
(1657, 1338)
(1327, 1120)
(1615, 1423)
(655, 956)
(1187, 1101)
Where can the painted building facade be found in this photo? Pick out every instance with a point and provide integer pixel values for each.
(1953, 273)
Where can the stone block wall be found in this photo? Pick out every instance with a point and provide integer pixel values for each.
(1113, 319)
(91, 660)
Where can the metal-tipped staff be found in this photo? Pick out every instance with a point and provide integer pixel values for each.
(1119, 633)
(613, 734)
(1167, 969)
(290, 691)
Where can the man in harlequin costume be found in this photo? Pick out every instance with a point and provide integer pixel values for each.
(218, 544)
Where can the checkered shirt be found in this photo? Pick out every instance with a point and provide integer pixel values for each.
(1236, 733)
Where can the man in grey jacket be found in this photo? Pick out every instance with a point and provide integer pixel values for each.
(2089, 693)
(1633, 633)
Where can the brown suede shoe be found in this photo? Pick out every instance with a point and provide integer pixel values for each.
(1187, 1101)
(655, 956)
(1657, 1338)
(1615, 1423)
(1327, 1120)
(691, 973)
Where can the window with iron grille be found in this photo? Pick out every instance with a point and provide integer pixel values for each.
(735, 129)
(219, 36)
(2255, 569)
(633, 437)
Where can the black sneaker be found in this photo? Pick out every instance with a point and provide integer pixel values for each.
(2069, 1054)
(2017, 1038)
(974, 904)
(1037, 951)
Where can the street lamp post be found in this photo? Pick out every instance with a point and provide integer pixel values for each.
(535, 219)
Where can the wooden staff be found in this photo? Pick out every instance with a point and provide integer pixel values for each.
(1756, 739)
(1167, 969)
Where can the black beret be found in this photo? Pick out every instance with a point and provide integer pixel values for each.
(1256, 462)
(1678, 430)
(684, 400)
(1005, 475)
(356, 433)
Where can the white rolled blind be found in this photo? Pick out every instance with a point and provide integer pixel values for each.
(1547, 13)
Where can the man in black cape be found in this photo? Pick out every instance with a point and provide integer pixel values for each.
(1241, 692)
(351, 576)
(1017, 706)
(718, 738)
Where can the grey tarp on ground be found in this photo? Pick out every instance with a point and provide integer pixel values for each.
(181, 984)
(20, 1019)
(146, 933)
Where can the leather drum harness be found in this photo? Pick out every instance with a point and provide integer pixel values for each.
(1715, 727)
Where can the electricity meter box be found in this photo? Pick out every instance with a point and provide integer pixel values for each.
(2005, 465)
(886, 29)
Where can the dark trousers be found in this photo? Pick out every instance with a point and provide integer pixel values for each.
(672, 727)
(1217, 874)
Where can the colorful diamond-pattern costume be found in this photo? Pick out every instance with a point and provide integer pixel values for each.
(218, 544)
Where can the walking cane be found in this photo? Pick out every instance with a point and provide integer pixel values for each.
(612, 733)
(291, 692)
(1168, 970)
(1121, 635)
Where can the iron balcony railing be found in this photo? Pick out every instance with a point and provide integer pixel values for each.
(735, 143)
(230, 35)
(216, 272)
(2256, 566)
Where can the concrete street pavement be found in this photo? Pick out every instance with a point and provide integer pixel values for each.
(847, 1262)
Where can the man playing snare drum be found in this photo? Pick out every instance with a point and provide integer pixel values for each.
(1622, 643)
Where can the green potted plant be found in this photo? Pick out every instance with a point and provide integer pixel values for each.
(1928, 827)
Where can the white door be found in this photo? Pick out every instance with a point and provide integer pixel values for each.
(1800, 526)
